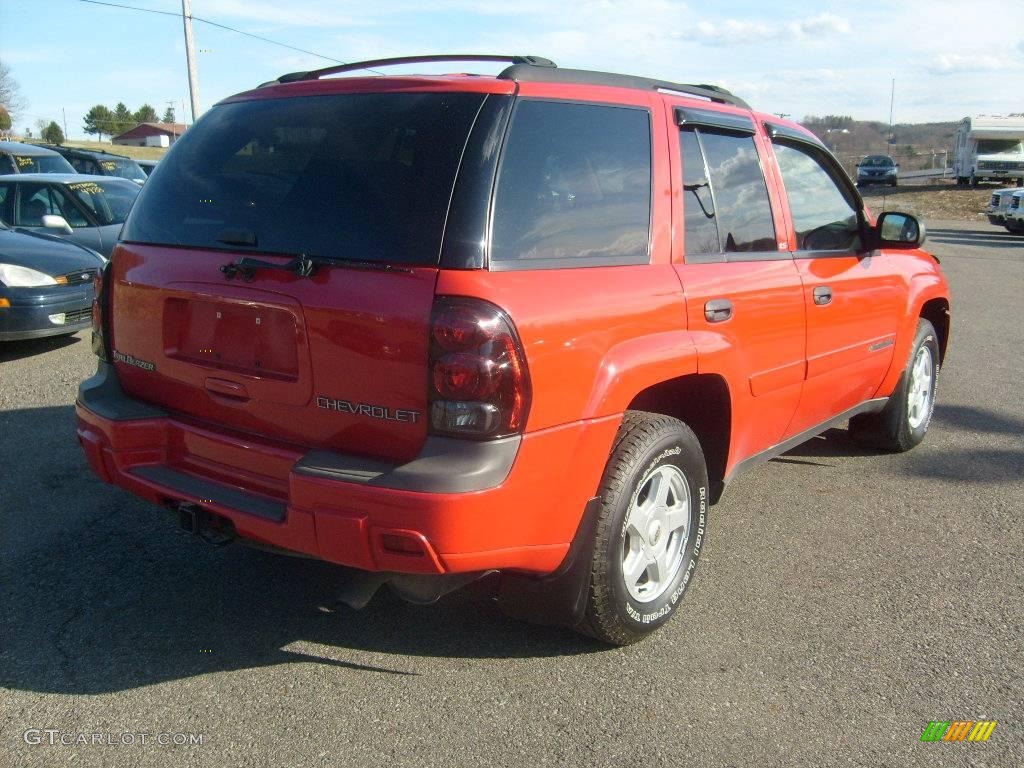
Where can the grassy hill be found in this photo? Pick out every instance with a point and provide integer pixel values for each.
(139, 153)
(915, 146)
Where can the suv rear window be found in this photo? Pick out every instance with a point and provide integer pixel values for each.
(574, 187)
(354, 176)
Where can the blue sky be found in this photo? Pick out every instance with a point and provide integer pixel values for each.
(793, 57)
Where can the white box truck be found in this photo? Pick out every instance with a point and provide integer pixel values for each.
(989, 148)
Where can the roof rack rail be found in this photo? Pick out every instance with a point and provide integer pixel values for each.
(531, 69)
(316, 74)
(527, 73)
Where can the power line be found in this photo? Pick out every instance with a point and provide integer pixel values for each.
(223, 26)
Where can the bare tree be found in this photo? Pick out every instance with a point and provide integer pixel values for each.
(10, 92)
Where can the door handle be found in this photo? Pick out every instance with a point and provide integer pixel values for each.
(718, 310)
(224, 388)
(822, 295)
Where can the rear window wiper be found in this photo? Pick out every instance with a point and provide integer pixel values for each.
(302, 265)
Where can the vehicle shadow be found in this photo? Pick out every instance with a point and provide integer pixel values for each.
(992, 239)
(101, 592)
(16, 350)
(966, 464)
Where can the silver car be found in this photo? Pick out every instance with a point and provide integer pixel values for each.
(86, 209)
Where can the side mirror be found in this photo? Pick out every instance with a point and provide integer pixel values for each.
(899, 230)
(51, 221)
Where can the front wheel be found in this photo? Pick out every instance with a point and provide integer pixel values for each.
(651, 524)
(902, 424)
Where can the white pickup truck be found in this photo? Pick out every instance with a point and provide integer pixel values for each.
(989, 149)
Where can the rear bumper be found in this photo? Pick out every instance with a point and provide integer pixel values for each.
(458, 507)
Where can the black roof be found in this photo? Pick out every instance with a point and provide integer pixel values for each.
(531, 69)
(98, 154)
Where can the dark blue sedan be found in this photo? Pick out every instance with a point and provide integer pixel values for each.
(46, 285)
(86, 209)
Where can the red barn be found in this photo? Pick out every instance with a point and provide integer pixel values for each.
(151, 135)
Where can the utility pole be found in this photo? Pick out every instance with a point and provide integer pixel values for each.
(65, 116)
(892, 102)
(190, 57)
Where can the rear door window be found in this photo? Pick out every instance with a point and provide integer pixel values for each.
(355, 176)
(574, 187)
(726, 209)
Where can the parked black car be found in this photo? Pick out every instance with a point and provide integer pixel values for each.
(147, 166)
(16, 157)
(877, 169)
(100, 163)
(46, 285)
(87, 209)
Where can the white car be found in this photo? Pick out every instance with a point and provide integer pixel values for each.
(999, 204)
(1013, 219)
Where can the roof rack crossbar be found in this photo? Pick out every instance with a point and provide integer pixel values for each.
(316, 74)
(526, 73)
(531, 69)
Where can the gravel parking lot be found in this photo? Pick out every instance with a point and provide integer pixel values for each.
(844, 600)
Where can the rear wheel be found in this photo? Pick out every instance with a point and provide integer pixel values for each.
(651, 522)
(903, 422)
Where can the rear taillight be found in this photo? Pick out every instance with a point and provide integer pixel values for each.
(100, 337)
(479, 385)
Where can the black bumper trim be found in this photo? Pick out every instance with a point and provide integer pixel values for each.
(102, 394)
(445, 465)
(210, 492)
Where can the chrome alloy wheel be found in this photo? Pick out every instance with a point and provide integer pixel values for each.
(921, 390)
(655, 534)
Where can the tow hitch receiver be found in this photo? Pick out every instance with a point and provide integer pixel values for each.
(208, 526)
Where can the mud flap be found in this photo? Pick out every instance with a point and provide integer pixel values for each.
(560, 598)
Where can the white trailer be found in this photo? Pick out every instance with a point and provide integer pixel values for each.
(989, 149)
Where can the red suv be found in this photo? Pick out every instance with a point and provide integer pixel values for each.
(434, 327)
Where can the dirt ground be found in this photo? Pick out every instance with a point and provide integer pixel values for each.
(932, 201)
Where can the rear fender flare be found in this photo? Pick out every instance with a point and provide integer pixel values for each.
(632, 366)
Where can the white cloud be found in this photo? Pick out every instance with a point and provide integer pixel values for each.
(950, 63)
(820, 26)
(735, 31)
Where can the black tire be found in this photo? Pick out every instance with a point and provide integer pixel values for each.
(892, 183)
(647, 444)
(891, 429)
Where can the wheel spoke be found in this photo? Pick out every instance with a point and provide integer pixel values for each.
(660, 567)
(662, 490)
(676, 517)
(633, 569)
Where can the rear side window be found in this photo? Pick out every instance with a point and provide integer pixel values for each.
(574, 187)
(725, 207)
(355, 176)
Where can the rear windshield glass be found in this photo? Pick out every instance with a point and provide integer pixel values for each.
(108, 201)
(126, 169)
(354, 176)
(42, 164)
